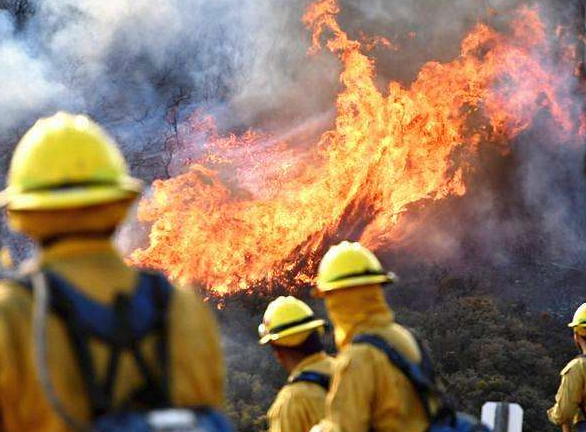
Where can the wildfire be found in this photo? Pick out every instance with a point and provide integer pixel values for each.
(253, 209)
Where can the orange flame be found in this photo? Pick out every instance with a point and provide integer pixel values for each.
(253, 208)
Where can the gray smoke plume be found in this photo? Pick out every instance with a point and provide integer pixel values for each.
(126, 62)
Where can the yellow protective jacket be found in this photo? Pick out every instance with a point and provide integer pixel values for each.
(570, 399)
(368, 392)
(301, 405)
(195, 358)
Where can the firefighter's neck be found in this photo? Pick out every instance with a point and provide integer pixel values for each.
(288, 358)
(580, 343)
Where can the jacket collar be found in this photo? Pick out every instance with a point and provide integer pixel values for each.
(306, 363)
(73, 247)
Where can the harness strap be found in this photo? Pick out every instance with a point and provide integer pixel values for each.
(422, 375)
(162, 298)
(321, 379)
(38, 284)
(78, 337)
(111, 371)
(155, 392)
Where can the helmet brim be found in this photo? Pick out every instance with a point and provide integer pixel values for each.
(73, 197)
(272, 337)
(354, 282)
(579, 328)
(576, 324)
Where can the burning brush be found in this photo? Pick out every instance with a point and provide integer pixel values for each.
(251, 208)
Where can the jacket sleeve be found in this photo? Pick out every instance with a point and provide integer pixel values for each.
(348, 405)
(196, 352)
(289, 413)
(569, 396)
(4, 370)
(12, 330)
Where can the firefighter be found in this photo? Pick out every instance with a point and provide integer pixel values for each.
(368, 393)
(291, 329)
(68, 190)
(570, 400)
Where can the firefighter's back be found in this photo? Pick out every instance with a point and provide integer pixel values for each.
(364, 373)
(301, 403)
(196, 369)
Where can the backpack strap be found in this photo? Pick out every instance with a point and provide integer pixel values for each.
(421, 375)
(321, 379)
(122, 326)
(39, 288)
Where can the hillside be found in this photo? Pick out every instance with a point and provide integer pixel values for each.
(485, 349)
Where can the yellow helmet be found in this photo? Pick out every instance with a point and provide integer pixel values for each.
(288, 322)
(350, 264)
(579, 321)
(66, 161)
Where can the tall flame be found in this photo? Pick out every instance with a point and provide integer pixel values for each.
(253, 208)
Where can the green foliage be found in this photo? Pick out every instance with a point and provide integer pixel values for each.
(487, 350)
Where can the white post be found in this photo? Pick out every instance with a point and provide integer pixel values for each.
(503, 416)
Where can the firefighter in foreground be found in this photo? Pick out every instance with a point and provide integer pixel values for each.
(294, 333)
(68, 190)
(367, 392)
(570, 401)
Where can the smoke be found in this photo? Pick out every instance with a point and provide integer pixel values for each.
(126, 62)
(523, 208)
(27, 86)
